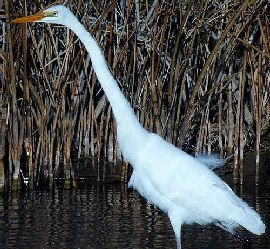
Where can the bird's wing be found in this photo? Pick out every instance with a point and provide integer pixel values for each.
(201, 199)
(184, 181)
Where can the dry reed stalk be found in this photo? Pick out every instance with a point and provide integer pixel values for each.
(27, 108)
(230, 121)
(161, 51)
(3, 129)
(3, 118)
(107, 131)
(200, 136)
(39, 56)
(14, 139)
(207, 143)
(99, 127)
(258, 115)
(190, 110)
(236, 137)
(220, 122)
(124, 172)
(176, 48)
(241, 123)
(256, 104)
(70, 127)
(154, 94)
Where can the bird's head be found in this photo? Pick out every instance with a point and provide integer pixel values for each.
(57, 14)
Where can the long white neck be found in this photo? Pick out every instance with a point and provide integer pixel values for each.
(116, 98)
(129, 129)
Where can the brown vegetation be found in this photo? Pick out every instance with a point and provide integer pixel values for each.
(195, 72)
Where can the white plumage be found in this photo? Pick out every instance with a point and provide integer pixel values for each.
(182, 186)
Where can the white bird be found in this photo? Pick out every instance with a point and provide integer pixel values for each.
(179, 184)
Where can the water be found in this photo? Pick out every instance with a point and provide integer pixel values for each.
(108, 216)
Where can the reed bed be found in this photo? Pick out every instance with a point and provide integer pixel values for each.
(195, 72)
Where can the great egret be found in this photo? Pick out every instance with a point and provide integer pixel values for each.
(182, 186)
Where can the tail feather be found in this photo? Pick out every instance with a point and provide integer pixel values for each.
(251, 220)
(211, 161)
(242, 215)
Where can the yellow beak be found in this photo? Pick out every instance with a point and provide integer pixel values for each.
(32, 18)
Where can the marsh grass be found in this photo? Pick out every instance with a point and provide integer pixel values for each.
(195, 72)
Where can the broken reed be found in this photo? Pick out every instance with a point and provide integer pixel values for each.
(195, 73)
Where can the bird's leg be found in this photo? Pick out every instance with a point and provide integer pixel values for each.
(246, 241)
(176, 224)
(178, 241)
(178, 237)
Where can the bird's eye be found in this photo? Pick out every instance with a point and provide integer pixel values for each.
(54, 13)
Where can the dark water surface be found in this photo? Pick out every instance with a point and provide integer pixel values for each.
(109, 216)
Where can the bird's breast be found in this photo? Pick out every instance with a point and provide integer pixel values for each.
(131, 139)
